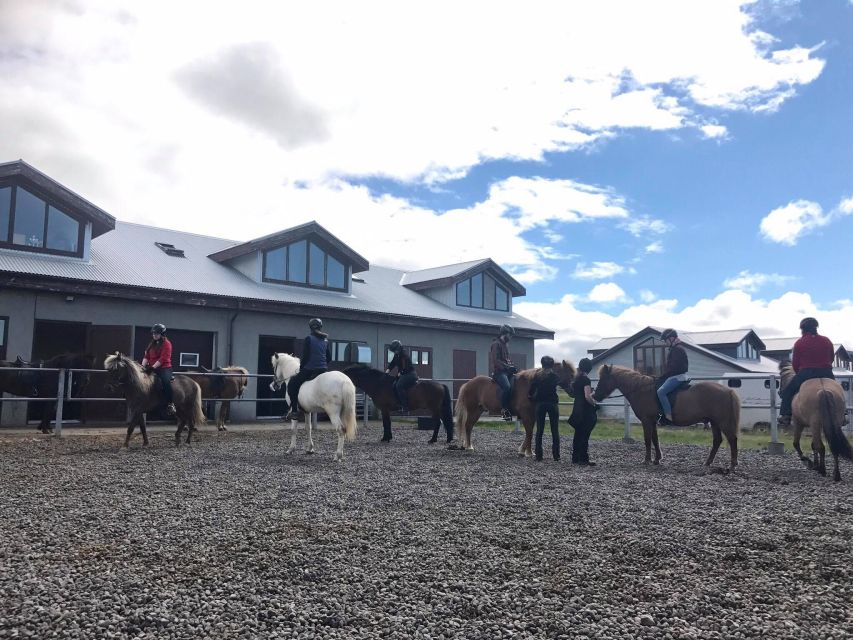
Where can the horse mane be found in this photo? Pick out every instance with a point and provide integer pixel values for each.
(786, 372)
(366, 370)
(137, 374)
(630, 378)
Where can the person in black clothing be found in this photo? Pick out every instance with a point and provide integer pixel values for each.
(406, 376)
(674, 375)
(316, 356)
(584, 415)
(543, 391)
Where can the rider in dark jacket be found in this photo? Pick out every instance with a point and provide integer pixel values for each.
(316, 356)
(674, 374)
(502, 369)
(543, 391)
(406, 375)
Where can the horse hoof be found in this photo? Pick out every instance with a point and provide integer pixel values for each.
(310, 453)
(289, 451)
(432, 440)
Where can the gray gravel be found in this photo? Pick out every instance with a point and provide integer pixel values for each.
(231, 538)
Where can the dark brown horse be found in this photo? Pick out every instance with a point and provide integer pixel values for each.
(426, 394)
(482, 394)
(820, 406)
(143, 393)
(20, 379)
(702, 402)
(224, 387)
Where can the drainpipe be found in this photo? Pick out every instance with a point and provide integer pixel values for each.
(231, 335)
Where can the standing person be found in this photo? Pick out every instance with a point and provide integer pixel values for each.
(543, 391)
(316, 356)
(158, 360)
(812, 358)
(674, 374)
(501, 368)
(406, 375)
(584, 415)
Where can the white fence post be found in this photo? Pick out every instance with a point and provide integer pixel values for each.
(60, 396)
(627, 407)
(775, 447)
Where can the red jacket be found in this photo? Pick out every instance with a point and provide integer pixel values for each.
(813, 352)
(161, 353)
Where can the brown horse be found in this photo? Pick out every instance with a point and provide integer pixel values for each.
(426, 394)
(702, 402)
(223, 387)
(143, 393)
(482, 394)
(820, 406)
(20, 379)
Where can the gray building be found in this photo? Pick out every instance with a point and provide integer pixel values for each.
(75, 279)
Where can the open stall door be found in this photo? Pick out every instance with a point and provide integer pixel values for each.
(104, 340)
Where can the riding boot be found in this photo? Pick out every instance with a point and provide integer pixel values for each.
(170, 409)
(783, 421)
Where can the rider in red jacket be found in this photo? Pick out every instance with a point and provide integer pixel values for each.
(158, 360)
(812, 358)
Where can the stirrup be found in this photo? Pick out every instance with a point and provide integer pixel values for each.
(506, 415)
(170, 409)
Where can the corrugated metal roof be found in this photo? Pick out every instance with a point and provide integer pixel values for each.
(439, 273)
(779, 344)
(726, 336)
(127, 256)
(606, 343)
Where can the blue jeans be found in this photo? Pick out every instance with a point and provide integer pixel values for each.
(503, 380)
(667, 387)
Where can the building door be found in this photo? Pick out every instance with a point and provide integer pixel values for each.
(267, 346)
(464, 368)
(54, 338)
(104, 340)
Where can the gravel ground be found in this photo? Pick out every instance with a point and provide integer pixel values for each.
(231, 538)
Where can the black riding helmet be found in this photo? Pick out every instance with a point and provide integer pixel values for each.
(159, 328)
(395, 346)
(506, 329)
(315, 324)
(809, 325)
(668, 333)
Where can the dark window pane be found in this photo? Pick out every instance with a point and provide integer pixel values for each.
(477, 290)
(463, 293)
(5, 203)
(2, 332)
(29, 219)
(62, 231)
(296, 261)
(316, 266)
(501, 299)
(274, 264)
(335, 273)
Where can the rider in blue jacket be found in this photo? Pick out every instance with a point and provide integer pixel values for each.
(316, 356)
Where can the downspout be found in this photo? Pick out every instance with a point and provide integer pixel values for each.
(230, 359)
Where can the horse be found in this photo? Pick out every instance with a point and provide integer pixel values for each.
(143, 393)
(481, 393)
(702, 402)
(331, 392)
(819, 405)
(224, 387)
(18, 379)
(426, 394)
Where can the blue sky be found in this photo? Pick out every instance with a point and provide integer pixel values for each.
(631, 163)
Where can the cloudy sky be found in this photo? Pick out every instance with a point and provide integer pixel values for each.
(671, 162)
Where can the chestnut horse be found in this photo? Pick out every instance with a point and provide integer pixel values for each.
(143, 393)
(426, 394)
(702, 402)
(225, 387)
(481, 394)
(820, 406)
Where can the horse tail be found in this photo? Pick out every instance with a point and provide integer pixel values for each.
(838, 442)
(198, 413)
(447, 411)
(348, 418)
(735, 412)
(461, 411)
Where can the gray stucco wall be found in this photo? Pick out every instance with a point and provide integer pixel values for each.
(23, 308)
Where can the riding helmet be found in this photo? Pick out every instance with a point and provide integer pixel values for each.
(668, 333)
(395, 346)
(506, 329)
(159, 328)
(547, 362)
(809, 325)
(315, 324)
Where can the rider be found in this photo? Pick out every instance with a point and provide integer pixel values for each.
(674, 374)
(812, 358)
(316, 356)
(158, 359)
(501, 367)
(406, 376)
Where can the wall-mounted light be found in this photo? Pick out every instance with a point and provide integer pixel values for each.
(69, 298)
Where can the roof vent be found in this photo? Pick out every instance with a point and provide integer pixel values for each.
(170, 249)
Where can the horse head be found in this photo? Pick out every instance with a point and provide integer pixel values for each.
(606, 382)
(566, 373)
(284, 366)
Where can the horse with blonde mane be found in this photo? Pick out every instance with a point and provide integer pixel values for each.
(819, 405)
(702, 402)
(331, 392)
(143, 392)
(481, 394)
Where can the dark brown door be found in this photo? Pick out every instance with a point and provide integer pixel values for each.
(104, 340)
(267, 346)
(53, 338)
(464, 368)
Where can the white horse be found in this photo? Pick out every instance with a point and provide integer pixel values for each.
(331, 392)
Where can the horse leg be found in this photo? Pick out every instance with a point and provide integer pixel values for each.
(647, 438)
(190, 428)
(469, 428)
(143, 428)
(310, 423)
(130, 427)
(819, 451)
(527, 446)
(798, 432)
(436, 420)
(732, 440)
(386, 426)
(715, 443)
(178, 433)
(658, 455)
(44, 424)
(836, 476)
(293, 425)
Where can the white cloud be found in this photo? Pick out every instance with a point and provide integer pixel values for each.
(647, 296)
(645, 225)
(606, 292)
(714, 131)
(577, 329)
(751, 282)
(787, 224)
(654, 247)
(597, 270)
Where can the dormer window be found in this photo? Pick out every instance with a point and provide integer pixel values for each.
(32, 223)
(304, 263)
(745, 351)
(481, 291)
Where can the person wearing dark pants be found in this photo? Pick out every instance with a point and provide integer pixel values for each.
(316, 356)
(158, 360)
(406, 375)
(812, 358)
(501, 368)
(543, 391)
(584, 415)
